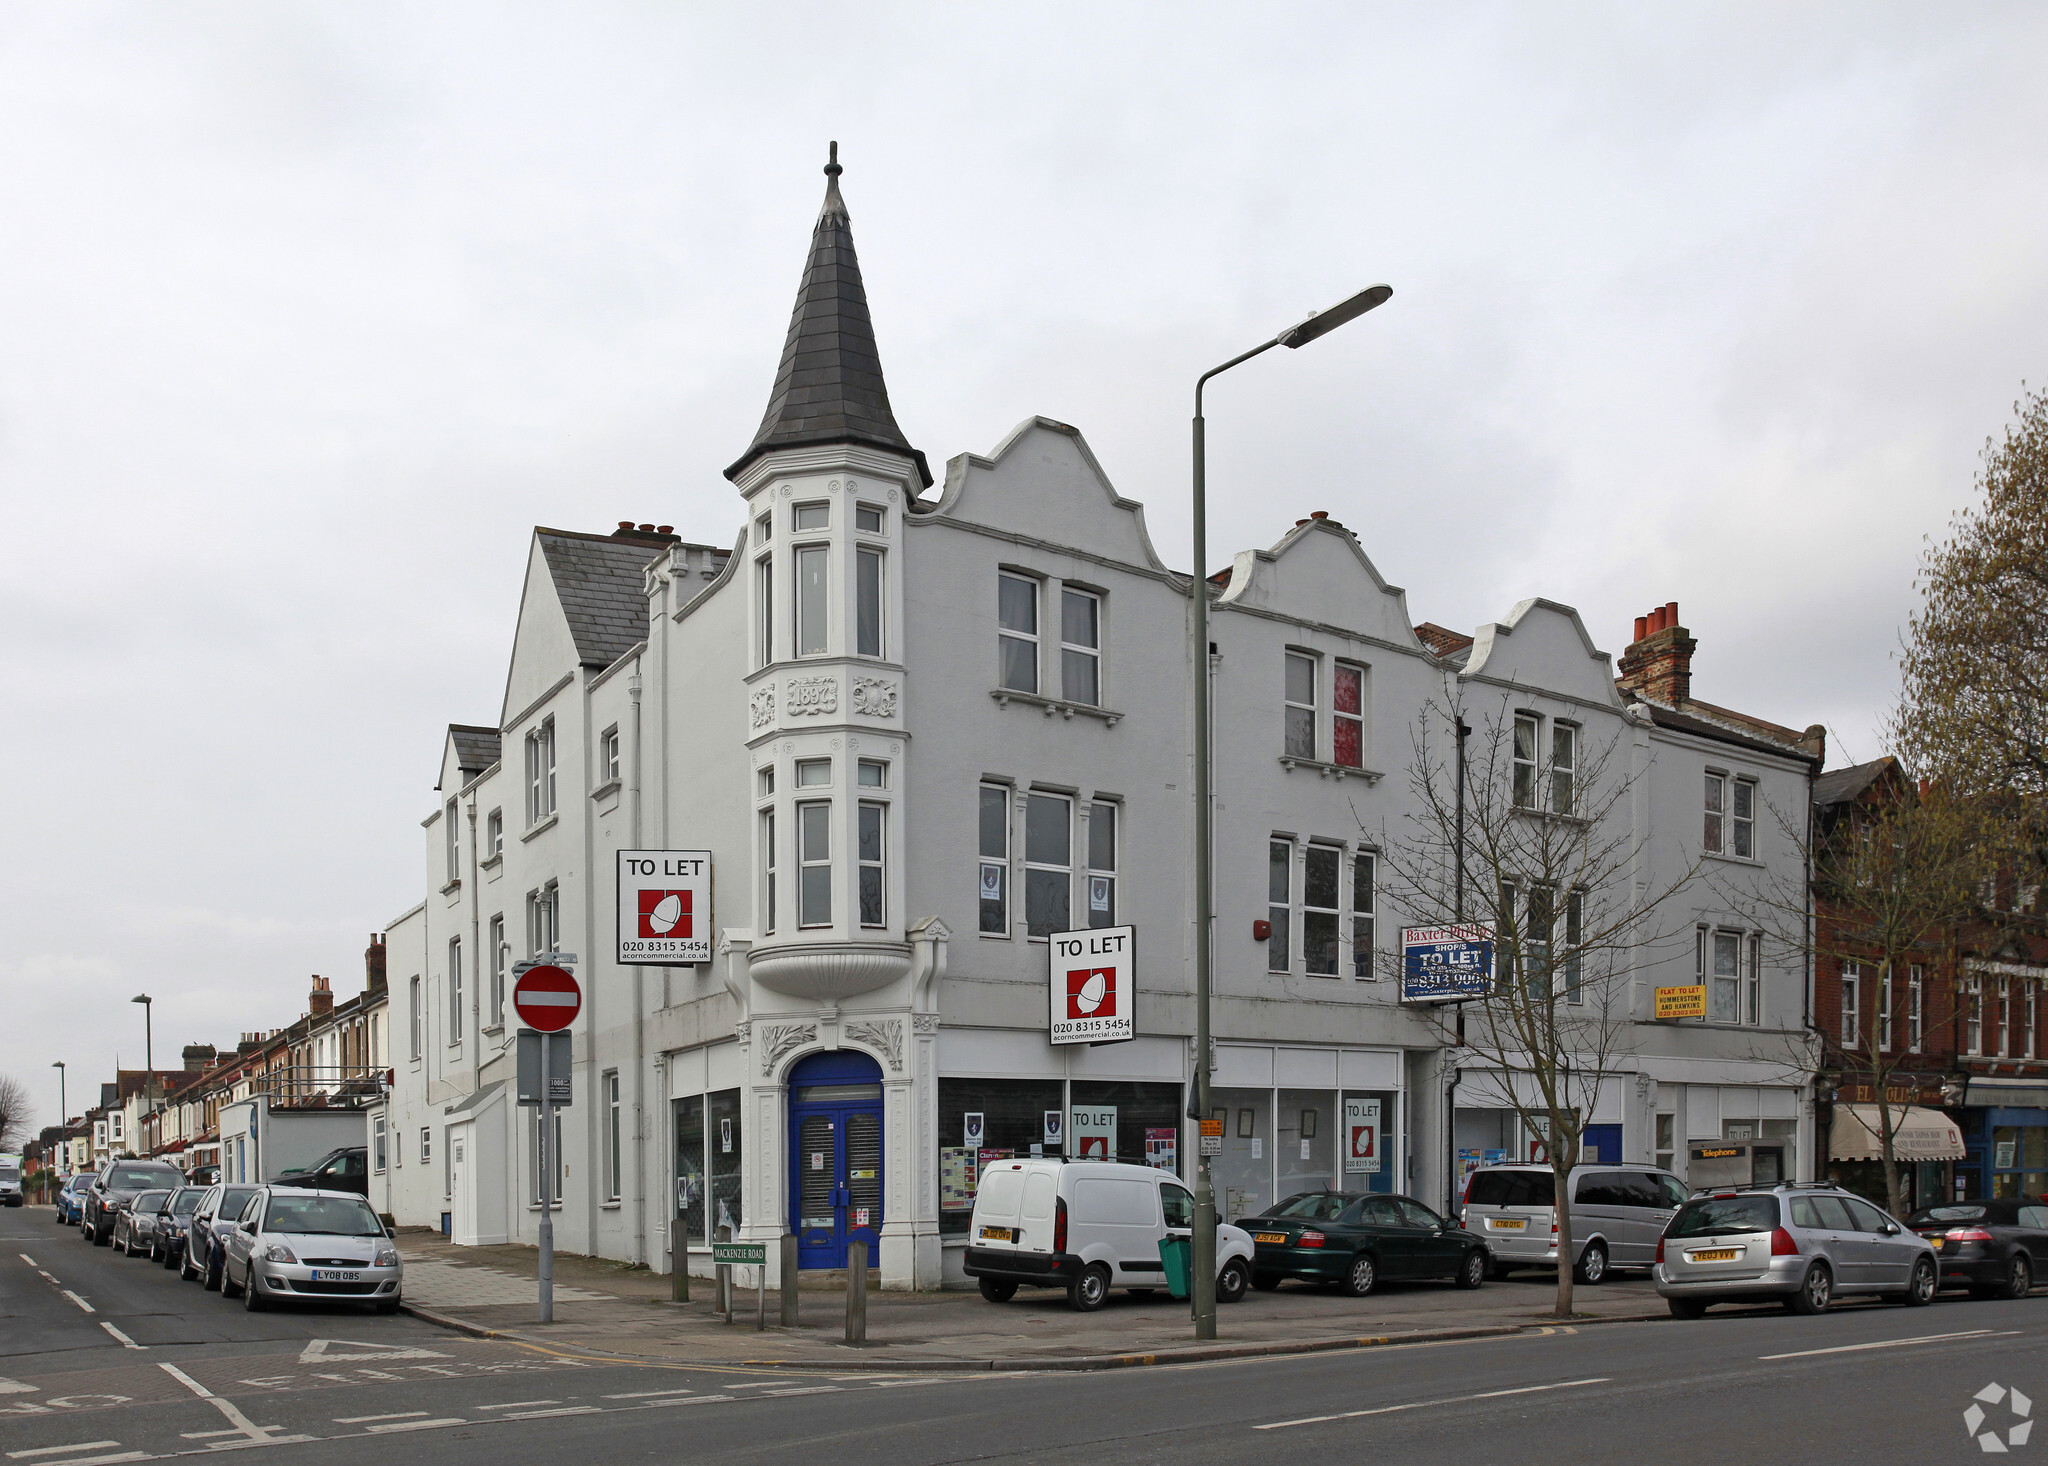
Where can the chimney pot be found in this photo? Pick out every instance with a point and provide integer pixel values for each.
(1299, 523)
(1642, 627)
(1658, 664)
(647, 529)
(1671, 613)
(626, 525)
(664, 529)
(1319, 514)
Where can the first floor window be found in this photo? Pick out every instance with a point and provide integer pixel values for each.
(1916, 1011)
(501, 959)
(1048, 864)
(1727, 995)
(1973, 1014)
(1347, 711)
(1080, 647)
(814, 863)
(1852, 993)
(378, 1158)
(867, 619)
(543, 919)
(1527, 726)
(426, 1144)
(1279, 902)
(994, 819)
(2004, 1017)
(1754, 1009)
(415, 1016)
(873, 910)
(1742, 818)
(811, 616)
(1102, 846)
(1574, 939)
(1321, 881)
(2027, 1044)
(768, 869)
(1711, 833)
(455, 990)
(610, 1086)
(1364, 912)
(1017, 638)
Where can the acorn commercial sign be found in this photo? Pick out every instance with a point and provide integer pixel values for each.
(665, 907)
(1092, 986)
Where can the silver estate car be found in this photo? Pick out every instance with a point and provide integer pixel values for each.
(1797, 1243)
(292, 1243)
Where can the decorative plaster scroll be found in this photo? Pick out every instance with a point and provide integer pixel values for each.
(885, 1034)
(778, 1039)
(743, 1031)
(926, 1022)
(874, 698)
(812, 696)
(762, 707)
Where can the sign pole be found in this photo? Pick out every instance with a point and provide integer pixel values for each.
(547, 1189)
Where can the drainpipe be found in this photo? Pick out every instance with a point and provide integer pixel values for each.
(476, 949)
(639, 1004)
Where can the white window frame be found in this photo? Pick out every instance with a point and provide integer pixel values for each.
(1972, 998)
(764, 588)
(1753, 982)
(871, 601)
(544, 919)
(1884, 1008)
(1365, 876)
(2033, 990)
(1333, 857)
(1852, 1005)
(540, 772)
(768, 891)
(426, 1145)
(1064, 872)
(865, 811)
(823, 509)
(812, 856)
(452, 840)
(1563, 777)
(1524, 756)
(1916, 1010)
(1104, 867)
(811, 604)
(881, 518)
(1280, 904)
(1022, 637)
(494, 834)
(1339, 718)
(417, 1014)
(1714, 808)
(455, 990)
(1292, 706)
(1742, 827)
(1075, 653)
(992, 875)
(379, 1147)
(608, 744)
(1574, 964)
(2004, 1016)
(608, 1086)
(501, 967)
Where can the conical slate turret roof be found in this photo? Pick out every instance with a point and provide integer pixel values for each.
(829, 388)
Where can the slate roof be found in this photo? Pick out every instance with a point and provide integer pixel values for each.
(1441, 639)
(1700, 727)
(601, 581)
(1839, 786)
(476, 749)
(829, 388)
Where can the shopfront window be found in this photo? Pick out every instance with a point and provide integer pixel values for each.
(986, 1120)
(691, 1187)
(1305, 1142)
(722, 1139)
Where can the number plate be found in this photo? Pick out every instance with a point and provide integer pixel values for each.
(1715, 1254)
(996, 1234)
(331, 1275)
(1278, 1239)
(1506, 1224)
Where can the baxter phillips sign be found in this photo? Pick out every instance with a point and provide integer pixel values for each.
(665, 906)
(1093, 986)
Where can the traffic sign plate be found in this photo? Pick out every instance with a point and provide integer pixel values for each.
(746, 1254)
(547, 998)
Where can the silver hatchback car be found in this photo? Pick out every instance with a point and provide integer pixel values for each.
(292, 1243)
(1798, 1243)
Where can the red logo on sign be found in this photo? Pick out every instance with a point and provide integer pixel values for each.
(1091, 1145)
(1364, 1140)
(665, 913)
(1091, 992)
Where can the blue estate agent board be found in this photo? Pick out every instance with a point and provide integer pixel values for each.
(1446, 964)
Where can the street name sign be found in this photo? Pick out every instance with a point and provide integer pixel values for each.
(741, 1254)
(664, 907)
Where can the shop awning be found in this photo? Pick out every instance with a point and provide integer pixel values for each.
(1917, 1135)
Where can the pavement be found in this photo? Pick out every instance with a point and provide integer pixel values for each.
(612, 1308)
(106, 1359)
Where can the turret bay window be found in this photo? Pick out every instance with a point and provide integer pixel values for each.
(764, 585)
(1017, 638)
(1347, 702)
(813, 516)
(812, 580)
(873, 829)
(1279, 902)
(868, 603)
(1080, 646)
(1364, 914)
(867, 518)
(814, 863)
(1102, 847)
(768, 870)
(1319, 916)
(1301, 706)
(1048, 864)
(994, 819)
(540, 772)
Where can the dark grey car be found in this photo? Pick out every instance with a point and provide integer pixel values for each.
(118, 1184)
(217, 1212)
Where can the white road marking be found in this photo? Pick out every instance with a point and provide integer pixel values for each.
(543, 1414)
(261, 1434)
(752, 1384)
(102, 1460)
(32, 1262)
(897, 1384)
(51, 1276)
(810, 1390)
(1880, 1344)
(16, 1387)
(79, 1301)
(206, 1435)
(60, 1450)
(126, 1342)
(320, 1349)
(684, 1400)
(420, 1424)
(648, 1394)
(366, 1419)
(524, 1404)
(1570, 1384)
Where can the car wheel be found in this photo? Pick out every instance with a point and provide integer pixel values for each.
(1265, 1282)
(1089, 1291)
(386, 1305)
(1363, 1277)
(997, 1292)
(253, 1298)
(1232, 1281)
(228, 1287)
(185, 1273)
(215, 1276)
(1499, 1272)
(1472, 1271)
(1687, 1307)
(1920, 1287)
(2019, 1278)
(1816, 1291)
(1592, 1268)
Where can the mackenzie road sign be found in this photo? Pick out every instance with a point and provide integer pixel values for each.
(547, 998)
(745, 1254)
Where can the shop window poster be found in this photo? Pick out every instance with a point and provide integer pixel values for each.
(1162, 1149)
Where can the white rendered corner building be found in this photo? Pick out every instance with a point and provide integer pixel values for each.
(920, 728)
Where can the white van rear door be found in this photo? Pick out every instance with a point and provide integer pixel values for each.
(998, 1206)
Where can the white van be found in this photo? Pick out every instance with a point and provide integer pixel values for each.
(1088, 1226)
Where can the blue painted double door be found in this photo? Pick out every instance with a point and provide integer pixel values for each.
(835, 1149)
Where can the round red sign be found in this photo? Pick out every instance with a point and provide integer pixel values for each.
(547, 998)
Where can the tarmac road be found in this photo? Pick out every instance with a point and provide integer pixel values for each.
(158, 1368)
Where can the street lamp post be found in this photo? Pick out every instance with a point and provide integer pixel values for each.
(63, 1114)
(148, 1056)
(1202, 1287)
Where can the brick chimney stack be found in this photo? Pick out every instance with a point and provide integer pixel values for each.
(373, 963)
(321, 999)
(1658, 663)
(197, 1057)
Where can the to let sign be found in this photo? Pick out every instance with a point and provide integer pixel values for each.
(1446, 964)
(665, 907)
(1685, 1002)
(1092, 986)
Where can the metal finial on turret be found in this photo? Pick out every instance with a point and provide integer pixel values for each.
(832, 168)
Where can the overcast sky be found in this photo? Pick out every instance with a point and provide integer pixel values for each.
(308, 313)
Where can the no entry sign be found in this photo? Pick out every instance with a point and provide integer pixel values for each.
(547, 998)
(665, 907)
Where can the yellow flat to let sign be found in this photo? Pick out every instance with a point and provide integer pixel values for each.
(1685, 1002)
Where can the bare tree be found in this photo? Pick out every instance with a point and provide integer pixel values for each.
(15, 1111)
(1541, 849)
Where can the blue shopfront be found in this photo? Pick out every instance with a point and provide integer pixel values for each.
(2005, 1129)
(835, 1150)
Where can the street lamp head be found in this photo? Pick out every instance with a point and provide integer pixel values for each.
(1322, 323)
(141, 998)
(58, 1065)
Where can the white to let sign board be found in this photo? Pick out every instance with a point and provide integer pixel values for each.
(1092, 986)
(665, 907)
(1095, 1132)
(1361, 1135)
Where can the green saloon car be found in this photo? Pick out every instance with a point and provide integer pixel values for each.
(1357, 1241)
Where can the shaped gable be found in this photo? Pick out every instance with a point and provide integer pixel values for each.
(1318, 572)
(1544, 646)
(1043, 481)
